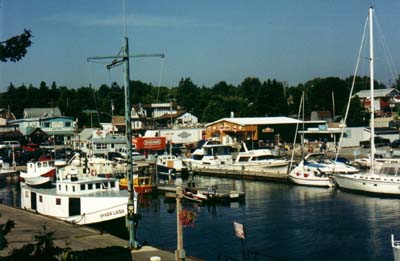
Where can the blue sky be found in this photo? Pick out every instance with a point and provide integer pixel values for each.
(208, 41)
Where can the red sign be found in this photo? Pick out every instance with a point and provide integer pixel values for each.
(239, 230)
(149, 143)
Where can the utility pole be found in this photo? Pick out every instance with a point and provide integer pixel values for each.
(132, 217)
(179, 252)
(132, 200)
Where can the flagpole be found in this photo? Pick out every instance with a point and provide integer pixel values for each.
(112, 116)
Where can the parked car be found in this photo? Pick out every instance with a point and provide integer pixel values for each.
(395, 144)
(379, 142)
(9, 144)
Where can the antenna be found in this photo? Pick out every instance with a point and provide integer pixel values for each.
(123, 7)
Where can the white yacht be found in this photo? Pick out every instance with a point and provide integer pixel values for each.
(263, 158)
(317, 170)
(213, 153)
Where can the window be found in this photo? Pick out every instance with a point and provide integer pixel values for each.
(40, 198)
(90, 186)
(113, 184)
(66, 187)
(68, 124)
(101, 146)
(82, 186)
(98, 185)
(47, 124)
(58, 201)
(73, 188)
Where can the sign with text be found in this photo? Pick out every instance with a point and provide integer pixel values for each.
(239, 230)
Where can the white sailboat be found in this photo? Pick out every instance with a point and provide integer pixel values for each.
(383, 177)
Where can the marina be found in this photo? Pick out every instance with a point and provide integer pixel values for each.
(281, 220)
(262, 169)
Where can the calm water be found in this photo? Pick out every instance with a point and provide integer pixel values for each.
(281, 220)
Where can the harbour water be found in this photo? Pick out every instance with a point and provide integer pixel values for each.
(281, 220)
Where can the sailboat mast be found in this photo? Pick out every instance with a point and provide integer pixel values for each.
(371, 68)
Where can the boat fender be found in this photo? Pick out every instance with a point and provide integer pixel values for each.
(93, 172)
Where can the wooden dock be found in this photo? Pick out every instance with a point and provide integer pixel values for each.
(226, 171)
(220, 194)
(89, 242)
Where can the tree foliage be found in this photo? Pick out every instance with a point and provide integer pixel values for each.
(15, 47)
(251, 98)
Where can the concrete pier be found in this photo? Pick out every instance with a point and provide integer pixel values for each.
(94, 244)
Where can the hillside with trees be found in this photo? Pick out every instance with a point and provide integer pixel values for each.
(251, 98)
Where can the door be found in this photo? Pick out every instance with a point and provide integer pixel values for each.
(33, 201)
(74, 206)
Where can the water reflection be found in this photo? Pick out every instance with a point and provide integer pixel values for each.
(10, 192)
(281, 220)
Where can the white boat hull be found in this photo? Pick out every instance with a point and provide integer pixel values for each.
(310, 176)
(380, 185)
(315, 182)
(80, 210)
(396, 248)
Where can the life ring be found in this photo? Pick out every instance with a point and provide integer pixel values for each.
(93, 172)
(187, 154)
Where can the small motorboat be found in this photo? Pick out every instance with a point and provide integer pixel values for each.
(38, 181)
(142, 185)
(194, 195)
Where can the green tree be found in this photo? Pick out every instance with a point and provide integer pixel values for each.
(15, 47)
(357, 116)
(188, 95)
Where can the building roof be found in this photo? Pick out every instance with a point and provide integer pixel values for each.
(86, 133)
(258, 121)
(41, 112)
(378, 93)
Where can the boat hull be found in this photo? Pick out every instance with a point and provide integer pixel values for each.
(307, 177)
(357, 183)
(142, 186)
(81, 210)
(315, 182)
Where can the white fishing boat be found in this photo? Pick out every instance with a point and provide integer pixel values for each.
(44, 168)
(383, 177)
(77, 198)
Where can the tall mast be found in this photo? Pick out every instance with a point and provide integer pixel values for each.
(371, 71)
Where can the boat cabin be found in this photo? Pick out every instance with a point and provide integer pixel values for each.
(77, 186)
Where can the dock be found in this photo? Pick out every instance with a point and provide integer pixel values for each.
(254, 173)
(88, 242)
(219, 195)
